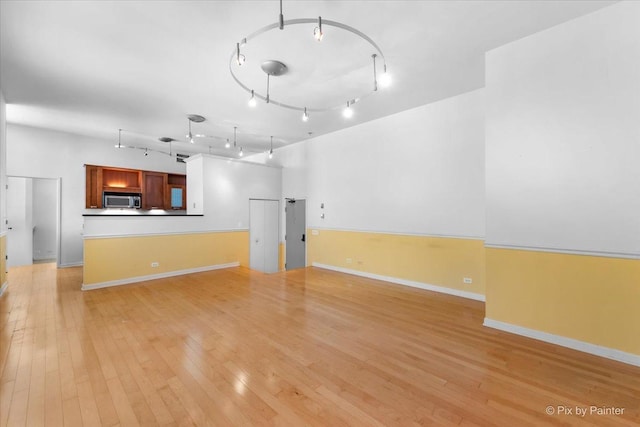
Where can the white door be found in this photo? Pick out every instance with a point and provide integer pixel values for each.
(263, 235)
(19, 221)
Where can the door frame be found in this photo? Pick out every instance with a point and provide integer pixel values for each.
(58, 186)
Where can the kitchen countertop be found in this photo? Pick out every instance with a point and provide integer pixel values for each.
(136, 212)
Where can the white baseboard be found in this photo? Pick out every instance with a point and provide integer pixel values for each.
(71, 264)
(413, 284)
(609, 353)
(3, 288)
(137, 279)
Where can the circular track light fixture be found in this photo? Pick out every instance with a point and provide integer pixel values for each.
(275, 68)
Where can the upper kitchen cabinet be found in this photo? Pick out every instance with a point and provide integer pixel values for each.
(116, 180)
(176, 197)
(155, 188)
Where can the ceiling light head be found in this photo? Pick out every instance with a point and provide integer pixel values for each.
(119, 144)
(240, 58)
(375, 78)
(317, 32)
(305, 115)
(252, 100)
(146, 152)
(385, 78)
(193, 118)
(241, 152)
(348, 111)
(228, 144)
(271, 149)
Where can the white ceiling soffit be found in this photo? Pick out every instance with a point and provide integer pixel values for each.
(92, 67)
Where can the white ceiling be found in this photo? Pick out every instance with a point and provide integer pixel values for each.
(91, 67)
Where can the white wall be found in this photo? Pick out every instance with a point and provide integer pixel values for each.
(563, 136)
(420, 171)
(45, 218)
(48, 154)
(228, 186)
(3, 165)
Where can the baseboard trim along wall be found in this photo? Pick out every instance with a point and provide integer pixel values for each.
(3, 288)
(585, 347)
(623, 255)
(404, 282)
(164, 275)
(71, 264)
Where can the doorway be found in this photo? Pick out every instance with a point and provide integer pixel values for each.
(33, 206)
(295, 237)
(263, 235)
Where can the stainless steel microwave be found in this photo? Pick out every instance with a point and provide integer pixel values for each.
(119, 200)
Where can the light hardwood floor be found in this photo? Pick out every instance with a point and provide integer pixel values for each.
(308, 347)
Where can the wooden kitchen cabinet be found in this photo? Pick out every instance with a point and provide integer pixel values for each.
(154, 190)
(93, 187)
(118, 180)
(176, 196)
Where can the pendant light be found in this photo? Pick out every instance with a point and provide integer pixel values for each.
(317, 32)
(190, 135)
(348, 112)
(119, 145)
(271, 150)
(235, 129)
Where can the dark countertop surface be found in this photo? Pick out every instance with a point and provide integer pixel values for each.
(136, 213)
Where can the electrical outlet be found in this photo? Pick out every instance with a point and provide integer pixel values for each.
(348, 260)
(314, 232)
(155, 264)
(468, 280)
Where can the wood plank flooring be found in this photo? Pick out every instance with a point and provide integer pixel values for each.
(308, 347)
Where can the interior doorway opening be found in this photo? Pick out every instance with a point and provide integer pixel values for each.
(33, 220)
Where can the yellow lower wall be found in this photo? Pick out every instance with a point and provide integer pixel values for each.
(120, 258)
(281, 256)
(3, 259)
(587, 298)
(436, 261)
